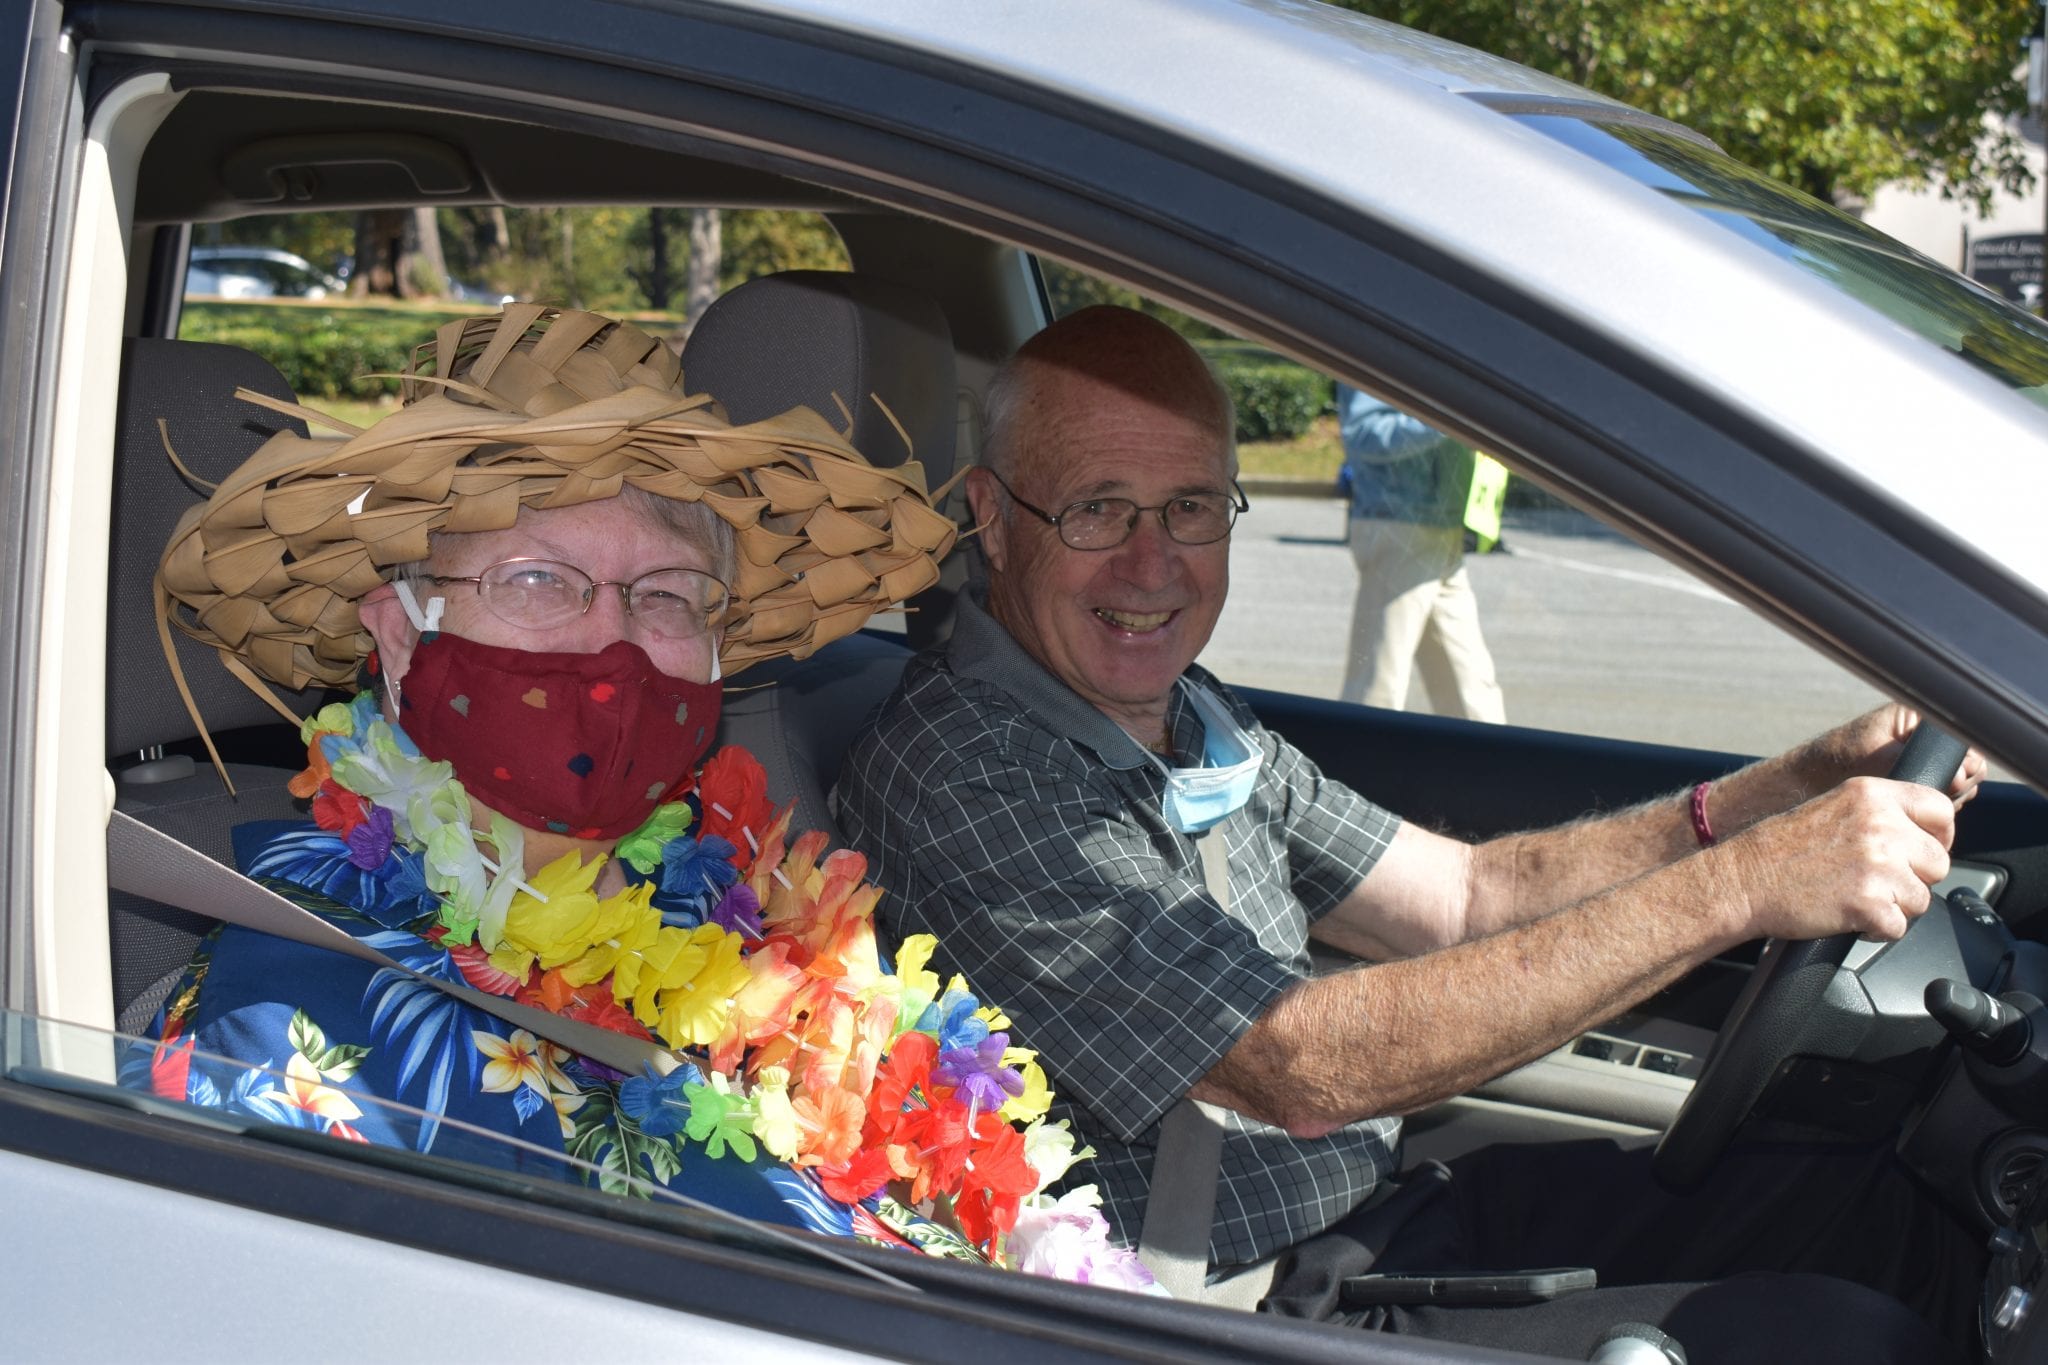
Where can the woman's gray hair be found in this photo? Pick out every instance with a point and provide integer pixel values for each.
(693, 523)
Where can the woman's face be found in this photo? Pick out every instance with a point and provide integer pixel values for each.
(610, 540)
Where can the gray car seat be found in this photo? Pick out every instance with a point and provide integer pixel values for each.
(189, 387)
(799, 338)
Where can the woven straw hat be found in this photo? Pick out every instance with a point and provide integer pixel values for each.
(536, 407)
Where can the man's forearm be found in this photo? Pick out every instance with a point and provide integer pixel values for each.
(1392, 1037)
(1396, 1037)
(1805, 847)
(1521, 877)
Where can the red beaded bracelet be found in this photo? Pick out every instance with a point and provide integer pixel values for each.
(1700, 828)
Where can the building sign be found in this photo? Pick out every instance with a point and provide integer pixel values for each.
(2009, 263)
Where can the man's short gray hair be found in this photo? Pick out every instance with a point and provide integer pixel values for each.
(999, 419)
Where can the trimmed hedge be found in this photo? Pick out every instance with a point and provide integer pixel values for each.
(325, 350)
(322, 351)
(1276, 400)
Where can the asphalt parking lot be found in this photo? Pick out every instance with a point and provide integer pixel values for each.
(1590, 634)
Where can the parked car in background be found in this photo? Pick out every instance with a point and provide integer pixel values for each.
(1823, 426)
(257, 272)
(467, 291)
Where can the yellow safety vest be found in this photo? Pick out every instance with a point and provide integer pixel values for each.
(1488, 495)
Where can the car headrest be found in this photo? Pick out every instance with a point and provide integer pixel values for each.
(803, 336)
(190, 387)
(799, 725)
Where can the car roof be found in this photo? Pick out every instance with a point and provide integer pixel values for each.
(1178, 49)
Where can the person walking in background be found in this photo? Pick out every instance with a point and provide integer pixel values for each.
(1414, 493)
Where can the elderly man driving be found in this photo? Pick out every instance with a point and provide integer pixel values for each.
(1037, 793)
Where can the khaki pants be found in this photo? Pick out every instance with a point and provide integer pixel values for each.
(1415, 613)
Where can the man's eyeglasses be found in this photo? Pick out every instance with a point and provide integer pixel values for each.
(539, 594)
(1105, 523)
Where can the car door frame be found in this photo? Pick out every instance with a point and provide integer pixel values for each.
(1375, 306)
(38, 165)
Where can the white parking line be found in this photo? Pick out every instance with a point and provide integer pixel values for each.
(1653, 580)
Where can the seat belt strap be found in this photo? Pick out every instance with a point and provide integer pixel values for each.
(149, 863)
(1181, 1208)
(1216, 864)
(1174, 1244)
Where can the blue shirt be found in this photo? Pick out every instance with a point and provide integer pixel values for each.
(295, 1035)
(1400, 469)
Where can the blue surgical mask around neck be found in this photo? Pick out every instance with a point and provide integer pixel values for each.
(1198, 799)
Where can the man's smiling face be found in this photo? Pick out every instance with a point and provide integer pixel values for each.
(1116, 625)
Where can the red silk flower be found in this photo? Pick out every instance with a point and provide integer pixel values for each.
(733, 788)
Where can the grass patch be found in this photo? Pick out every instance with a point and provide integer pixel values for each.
(357, 411)
(1315, 454)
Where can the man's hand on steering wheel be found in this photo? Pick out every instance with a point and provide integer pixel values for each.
(1855, 860)
(1870, 746)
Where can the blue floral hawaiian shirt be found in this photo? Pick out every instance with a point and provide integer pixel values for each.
(289, 1034)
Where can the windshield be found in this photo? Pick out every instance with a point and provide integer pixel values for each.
(1918, 294)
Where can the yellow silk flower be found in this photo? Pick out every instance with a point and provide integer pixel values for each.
(1037, 1097)
(775, 1120)
(588, 938)
(556, 930)
(694, 1008)
(913, 987)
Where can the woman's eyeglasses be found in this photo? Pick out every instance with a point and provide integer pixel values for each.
(540, 594)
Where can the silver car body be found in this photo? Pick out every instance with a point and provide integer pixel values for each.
(1347, 134)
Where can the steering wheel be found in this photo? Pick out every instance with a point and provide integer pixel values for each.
(1766, 1022)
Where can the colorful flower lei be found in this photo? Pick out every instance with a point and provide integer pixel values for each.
(759, 953)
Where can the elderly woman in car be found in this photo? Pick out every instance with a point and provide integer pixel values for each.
(586, 937)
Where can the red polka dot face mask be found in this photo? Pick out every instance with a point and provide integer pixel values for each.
(580, 744)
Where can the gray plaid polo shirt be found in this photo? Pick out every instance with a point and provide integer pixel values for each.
(1020, 825)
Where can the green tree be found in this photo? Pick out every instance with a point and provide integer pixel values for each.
(475, 240)
(577, 257)
(1836, 97)
(1070, 290)
(654, 241)
(754, 242)
(614, 258)
(398, 253)
(707, 256)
